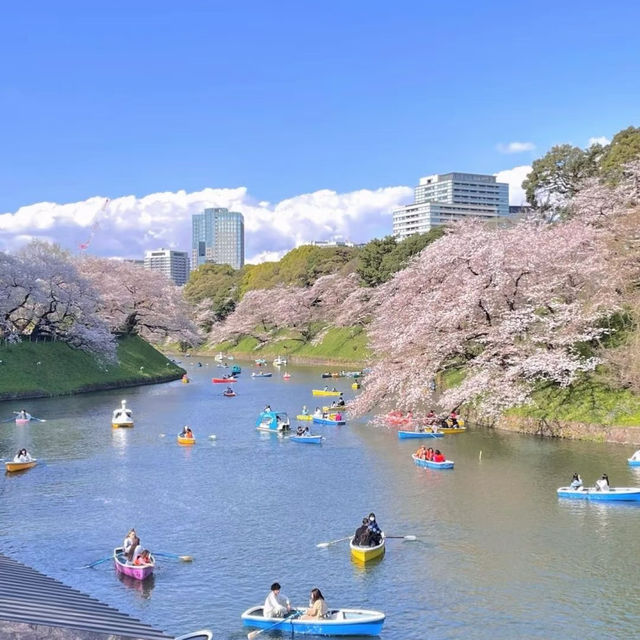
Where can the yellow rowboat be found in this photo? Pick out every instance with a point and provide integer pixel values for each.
(322, 392)
(304, 416)
(452, 429)
(355, 385)
(365, 554)
(19, 466)
(182, 440)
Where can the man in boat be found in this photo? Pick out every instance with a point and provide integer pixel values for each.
(23, 415)
(305, 411)
(375, 532)
(340, 402)
(361, 536)
(276, 605)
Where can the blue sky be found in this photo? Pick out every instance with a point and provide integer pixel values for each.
(288, 98)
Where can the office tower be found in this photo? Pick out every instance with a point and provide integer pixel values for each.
(444, 198)
(174, 264)
(217, 237)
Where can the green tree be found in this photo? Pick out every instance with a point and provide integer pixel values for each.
(218, 282)
(369, 265)
(624, 148)
(399, 256)
(556, 177)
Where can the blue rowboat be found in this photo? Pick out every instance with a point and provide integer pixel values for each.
(430, 464)
(403, 435)
(307, 439)
(615, 494)
(339, 622)
(261, 375)
(317, 420)
(633, 463)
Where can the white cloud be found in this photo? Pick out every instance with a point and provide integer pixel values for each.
(129, 225)
(603, 140)
(514, 177)
(516, 147)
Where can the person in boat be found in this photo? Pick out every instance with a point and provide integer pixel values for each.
(375, 532)
(432, 418)
(337, 417)
(135, 549)
(128, 541)
(276, 604)
(333, 389)
(302, 431)
(23, 415)
(361, 536)
(266, 408)
(438, 457)
(422, 453)
(186, 432)
(430, 454)
(229, 390)
(636, 455)
(143, 558)
(317, 413)
(317, 606)
(199, 364)
(340, 402)
(453, 418)
(23, 456)
(305, 411)
(602, 484)
(576, 481)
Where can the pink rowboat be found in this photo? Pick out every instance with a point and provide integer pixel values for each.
(138, 572)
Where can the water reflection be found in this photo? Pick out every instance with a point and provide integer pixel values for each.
(143, 587)
(119, 439)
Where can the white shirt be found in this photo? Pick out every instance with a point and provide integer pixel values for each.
(276, 605)
(602, 485)
(636, 455)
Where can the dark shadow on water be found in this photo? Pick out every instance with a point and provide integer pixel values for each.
(143, 587)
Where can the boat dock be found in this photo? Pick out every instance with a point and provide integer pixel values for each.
(34, 606)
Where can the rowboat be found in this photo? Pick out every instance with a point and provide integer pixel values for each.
(452, 429)
(339, 622)
(19, 466)
(329, 420)
(23, 420)
(279, 360)
(307, 439)
(355, 385)
(229, 394)
(139, 571)
(261, 374)
(183, 440)
(304, 416)
(404, 435)
(223, 380)
(366, 554)
(430, 464)
(122, 417)
(322, 392)
(614, 494)
(236, 370)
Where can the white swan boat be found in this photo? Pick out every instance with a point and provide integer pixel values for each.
(122, 417)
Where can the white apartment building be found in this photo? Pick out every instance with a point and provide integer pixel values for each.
(174, 264)
(443, 198)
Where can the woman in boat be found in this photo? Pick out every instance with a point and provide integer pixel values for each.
(429, 455)
(135, 549)
(317, 413)
(422, 453)
(128, 541)
(453, 417)
(431, 417)
(375, 532)
(602, 484)
(276, 605)
(266, 408)
(317, 606)
(22, 456)
(438, 457)
(576, 481)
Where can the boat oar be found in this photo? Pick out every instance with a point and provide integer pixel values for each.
(322, 545)
(254, 634)
(402, 537)
(11, 419)
(97, 562)
(38, 419)
(172, 555)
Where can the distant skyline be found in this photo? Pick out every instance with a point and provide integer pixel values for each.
(286, 109)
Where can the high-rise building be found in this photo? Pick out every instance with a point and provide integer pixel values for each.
(174, 264)
(218, 237)
(448, 197)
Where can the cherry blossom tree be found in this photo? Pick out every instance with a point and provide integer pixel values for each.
(509, 306)
(134, 300)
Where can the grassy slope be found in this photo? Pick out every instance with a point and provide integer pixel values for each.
(341, 345)
(64, 370)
